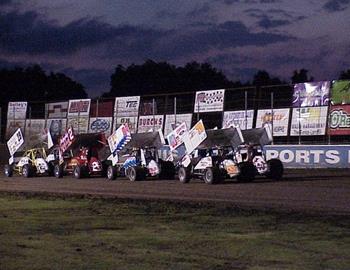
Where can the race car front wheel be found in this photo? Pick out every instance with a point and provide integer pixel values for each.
(27, 171)
(184, 175)
(111, 172)
(58, 171)
(8, 170)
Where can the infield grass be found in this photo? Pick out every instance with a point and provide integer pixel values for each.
(58, 233)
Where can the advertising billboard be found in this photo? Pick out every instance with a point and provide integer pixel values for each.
(339, 120)
(279, 121)
(56, 109)
(170, 124)
(311, 94)
(209, 101)
(79, 107)
(340, 93)
(238, 118)
(150, 123)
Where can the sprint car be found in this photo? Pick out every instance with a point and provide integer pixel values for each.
(212, 160)
(138, 158)
(33, 162)
(80, 155)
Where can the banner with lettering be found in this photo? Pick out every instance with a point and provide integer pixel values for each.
(339, 120)
(279, 121)
(79, 107)
(209, 101)
(238, 118)
(150, 123)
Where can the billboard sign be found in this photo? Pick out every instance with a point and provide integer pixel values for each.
(56, 109)
(17, 110)
(310, 156)
(309, 121)
(209, 101)
(279, 121)
(150, 123)
(170, 124)
(79, 107)
(340, 93)
(311, 94)
(339, 120)
(238, 118)
(79, 124)
(100, 124)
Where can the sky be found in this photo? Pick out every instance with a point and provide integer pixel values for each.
(87, 39)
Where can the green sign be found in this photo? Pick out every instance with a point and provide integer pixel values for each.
(341, 92)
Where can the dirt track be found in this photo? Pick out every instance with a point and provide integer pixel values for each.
(311, 191)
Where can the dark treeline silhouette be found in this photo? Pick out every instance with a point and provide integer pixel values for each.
(32, 84)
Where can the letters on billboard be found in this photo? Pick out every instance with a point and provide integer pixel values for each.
(17, 110)
(339, 120)
(79, 107)
(238, 118)
(209, 101)
(150, 123)
(279, 121)
(310, 156)
(309, 121)
(126, 111)
(311, 94)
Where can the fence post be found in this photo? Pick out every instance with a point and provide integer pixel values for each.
(246, 109)
(272, 115)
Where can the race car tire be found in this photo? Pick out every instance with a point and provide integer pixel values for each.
(80, 172)
(247, 172)
(58, 171)
(8, 170)
(274, 169)
(184, 175)
(212, 176)
(27, 171)
(111, 172)
(136, 173)
(167, 170)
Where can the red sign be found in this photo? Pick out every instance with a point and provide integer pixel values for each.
(67, 139)
(339, 120)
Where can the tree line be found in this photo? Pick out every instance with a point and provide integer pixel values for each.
(33, 84)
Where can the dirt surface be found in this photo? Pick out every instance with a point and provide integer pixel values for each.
(319, 191)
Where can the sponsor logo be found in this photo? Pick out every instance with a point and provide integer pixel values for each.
(339, 119)
(100, 125)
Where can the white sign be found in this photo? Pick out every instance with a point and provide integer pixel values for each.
(79, 107)
(57, 109)
(126, 106)
(279, 121)
(131, 121)
(79, 124)
(194, 137)
(209, 101)
(15, 142)
(310, 121)
(150, 123)
(126, 111)
(175, 138)
(100, 124)
(170, 124)
(17, 110)
(238, 118)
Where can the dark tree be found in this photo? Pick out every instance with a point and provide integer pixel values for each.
(32, 84)
(301, 76)
(162, 77)
(345, 75)
(262, 78)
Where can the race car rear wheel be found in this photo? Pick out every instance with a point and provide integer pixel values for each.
(111, 172)
(167, 170)
(136, 173)
(27, 171)
(80, 171)
(275, 169)
(58, 171)
(247, 172)
(184, 175)
(8, 170)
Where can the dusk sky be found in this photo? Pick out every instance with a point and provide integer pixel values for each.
(87, 39)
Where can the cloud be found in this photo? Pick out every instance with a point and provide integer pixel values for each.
(27, 33)
(5, 2)
(267, 23)
(336, 5)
